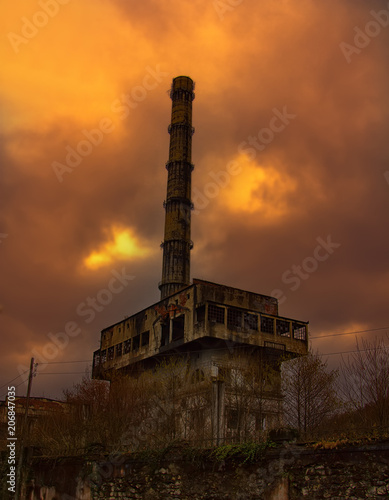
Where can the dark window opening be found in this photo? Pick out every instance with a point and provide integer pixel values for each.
(200, 314)
(299, 331)
(259, 422)
(267, 325)
(197, 418)
(250, 321)
(215, 314)
(232, 419)
(145, 338)
(110, 353)
(274, 345)
(127, 346)
(135, 343)
(104, 356)
(119, 350)
(282, 328)
(178, 325)
(224, 374)
(234, 318)
(197, 376)
(96, 358)
(164, 334)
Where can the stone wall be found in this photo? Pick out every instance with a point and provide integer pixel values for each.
(287, 472)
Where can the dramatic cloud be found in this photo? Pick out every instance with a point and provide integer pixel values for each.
(290, 151)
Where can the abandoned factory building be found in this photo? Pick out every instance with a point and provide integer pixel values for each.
(217, 329)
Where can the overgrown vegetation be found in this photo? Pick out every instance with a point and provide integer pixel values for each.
(152, 413)
(241, 453)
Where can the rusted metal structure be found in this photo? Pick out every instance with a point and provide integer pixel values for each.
(205, 323)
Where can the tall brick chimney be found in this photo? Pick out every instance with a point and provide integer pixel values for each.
(177, 243)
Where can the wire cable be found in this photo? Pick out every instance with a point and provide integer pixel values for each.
(348, 333)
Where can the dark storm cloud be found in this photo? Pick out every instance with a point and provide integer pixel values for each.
(327, 165)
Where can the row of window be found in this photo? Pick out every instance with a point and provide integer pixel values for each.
(129, 345)
(238, 319)
(120, 328)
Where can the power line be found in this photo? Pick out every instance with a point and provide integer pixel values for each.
(23, 382)
(61, 373)
(188, 352)
(348, 333)
(26, 371)
(358, 350)
(61, 362)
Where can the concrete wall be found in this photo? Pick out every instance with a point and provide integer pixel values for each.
(288, 472)
(186, 304)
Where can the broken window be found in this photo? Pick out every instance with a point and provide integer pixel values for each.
(164, 334)
(96, 358)
(267, 324)
(299, 331)
(135, 343)
(110, 353)
(103, 356)
(250, 321)
(260, 424)
(200, 314)
(197, 376)
(215, 314)
(145, 338)
(197, 418)
(232, 418)
(274, 345)
(282, 328)
(178, 325)
(224, 373)
(126, 346)
(119, 349)
(234, 318)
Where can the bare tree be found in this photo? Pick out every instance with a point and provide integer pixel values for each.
(309, 391)
(365, 382)
(253, 396)
(75, 423)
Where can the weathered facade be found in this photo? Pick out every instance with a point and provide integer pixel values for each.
(204, 318)
(218, 330)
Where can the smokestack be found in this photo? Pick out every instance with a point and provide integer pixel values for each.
(177, 243)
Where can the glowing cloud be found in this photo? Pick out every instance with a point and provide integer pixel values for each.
(123, 245)
(259, 189)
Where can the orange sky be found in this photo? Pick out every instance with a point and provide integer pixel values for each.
(295, 97)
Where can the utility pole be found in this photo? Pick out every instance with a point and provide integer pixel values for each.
(19, 470)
